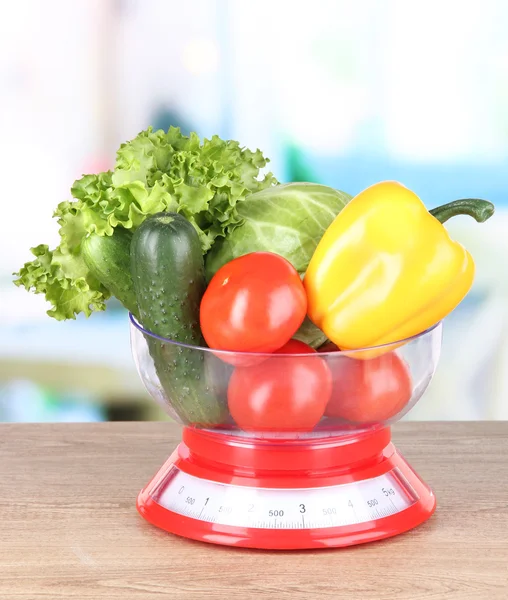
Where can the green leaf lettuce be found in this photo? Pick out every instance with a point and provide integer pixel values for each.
(156, 171)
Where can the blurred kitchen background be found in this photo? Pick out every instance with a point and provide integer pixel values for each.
(345, 93)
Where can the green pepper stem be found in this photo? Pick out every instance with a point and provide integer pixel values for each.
(480, 210)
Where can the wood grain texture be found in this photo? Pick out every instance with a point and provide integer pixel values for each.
(70, 528)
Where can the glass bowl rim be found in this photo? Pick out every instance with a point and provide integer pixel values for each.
(232, 353)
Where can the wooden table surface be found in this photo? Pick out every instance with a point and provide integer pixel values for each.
(69, 527)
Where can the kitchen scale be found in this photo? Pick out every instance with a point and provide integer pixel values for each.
(339, 485)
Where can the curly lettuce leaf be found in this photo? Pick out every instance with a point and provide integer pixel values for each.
(65, 281)
(156, 171)
(204, 181)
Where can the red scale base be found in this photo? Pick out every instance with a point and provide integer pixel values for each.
(285, 465)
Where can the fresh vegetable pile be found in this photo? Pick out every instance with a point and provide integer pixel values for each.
(204, 250)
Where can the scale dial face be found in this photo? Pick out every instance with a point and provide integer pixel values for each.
(285, 508)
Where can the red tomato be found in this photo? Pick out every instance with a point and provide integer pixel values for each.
(295, 347)
(284, 393)
(367, 391)
(329, 347)
(254, 303)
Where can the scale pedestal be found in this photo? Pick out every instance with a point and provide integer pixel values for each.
(286, 494)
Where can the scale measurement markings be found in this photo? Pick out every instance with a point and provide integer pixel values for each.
(285, 508)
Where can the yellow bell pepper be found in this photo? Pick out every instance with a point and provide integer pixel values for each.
(386, 268)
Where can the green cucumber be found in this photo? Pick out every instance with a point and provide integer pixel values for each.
(168, 275)
(108, 258)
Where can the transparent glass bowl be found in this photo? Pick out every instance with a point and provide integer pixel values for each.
(326, 393)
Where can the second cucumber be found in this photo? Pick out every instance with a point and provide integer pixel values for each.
(168, 276)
